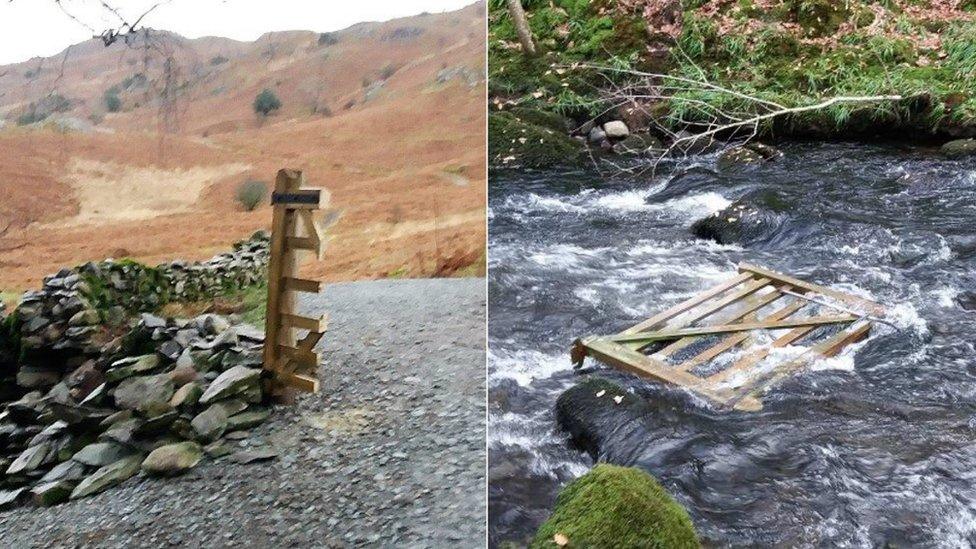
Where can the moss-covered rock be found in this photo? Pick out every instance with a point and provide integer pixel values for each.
(515, 142)
(959, 148)
(616, 507)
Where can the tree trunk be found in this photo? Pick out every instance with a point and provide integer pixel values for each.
(522, 27)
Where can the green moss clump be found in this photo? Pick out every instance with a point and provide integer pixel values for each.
(147, 289)
(617, 507)
(512, 141)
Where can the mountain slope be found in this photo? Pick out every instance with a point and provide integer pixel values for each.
(388, 116)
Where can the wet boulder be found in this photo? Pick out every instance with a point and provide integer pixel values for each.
(753, 218)
(613, 506)
(596, 413)
(959, 148)
(637, 144)
(750, 154)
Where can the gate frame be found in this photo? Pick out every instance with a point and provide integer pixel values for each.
(623, 350)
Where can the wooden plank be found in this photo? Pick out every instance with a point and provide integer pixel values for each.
(310, 341)
(741, 327)
(870, 306)
(631, 361)
(301, 199)
(303, 323)
(300, 356)
(687, 304)
(302, 382)
(752, 303)
(280, 264)
(734, 340)
(302, 243)
(302, 285)
(827, 348)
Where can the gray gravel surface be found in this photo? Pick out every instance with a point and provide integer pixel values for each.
(390, 452)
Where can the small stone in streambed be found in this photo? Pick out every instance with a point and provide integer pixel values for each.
(173, 459)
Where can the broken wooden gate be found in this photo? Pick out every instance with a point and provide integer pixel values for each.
(294, 233)
(676, 347)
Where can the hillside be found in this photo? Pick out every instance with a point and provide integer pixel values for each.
(388, 116)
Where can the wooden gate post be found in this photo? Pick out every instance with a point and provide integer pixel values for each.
(291, 362)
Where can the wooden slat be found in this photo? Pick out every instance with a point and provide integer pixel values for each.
(870, 306)
(301, 243)
(302, 382)
(631, 361)
(664, 316)
(752, 303)
(741, 327)
(310, 341)
(300, 356)
(280, 265)
(313, 232)
(827, 348)
(301, 199)
(734, 340)
(303, 323)
(302, 285)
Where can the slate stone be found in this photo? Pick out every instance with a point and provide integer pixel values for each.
(135, 392)
(210, 423)
(52, 493)
(231, 383)
(100, 453)
(247, 420)
(173, 459)
(107, 476)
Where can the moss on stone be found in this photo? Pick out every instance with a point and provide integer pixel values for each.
(515, 142)
(614, 506)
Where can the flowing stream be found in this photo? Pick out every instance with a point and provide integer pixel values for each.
(874, 446)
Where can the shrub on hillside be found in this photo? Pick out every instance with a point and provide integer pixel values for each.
(112, 101)
(266, 102)
(218, 60)
(327, 39)
(251, 193)
(388, 71)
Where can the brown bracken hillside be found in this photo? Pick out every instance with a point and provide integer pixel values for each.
(388, 116)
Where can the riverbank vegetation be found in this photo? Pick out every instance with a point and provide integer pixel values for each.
(740, 56)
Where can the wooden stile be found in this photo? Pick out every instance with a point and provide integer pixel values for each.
(734, 309)
(294, 233)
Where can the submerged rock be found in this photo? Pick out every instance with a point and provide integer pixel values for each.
(591, 414)
(746, 155)
(614, 506)
(754, 217)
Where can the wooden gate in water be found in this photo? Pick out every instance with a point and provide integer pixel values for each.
(295, 233)
(676, 347)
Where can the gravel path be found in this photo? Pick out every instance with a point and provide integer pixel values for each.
(390, 452)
